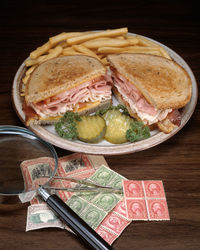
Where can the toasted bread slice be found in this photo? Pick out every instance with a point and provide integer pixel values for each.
(59, 74)
(163, 82)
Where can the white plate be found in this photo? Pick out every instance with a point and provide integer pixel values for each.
(48, 133)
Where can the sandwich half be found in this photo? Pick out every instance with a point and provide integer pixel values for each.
(152, 88)
(70, 83)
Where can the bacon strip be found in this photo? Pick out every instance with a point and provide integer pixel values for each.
(175, 117)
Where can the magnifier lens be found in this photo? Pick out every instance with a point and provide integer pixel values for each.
(16, 146)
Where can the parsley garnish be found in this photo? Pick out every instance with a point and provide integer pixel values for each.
(137, 132)
(66, 126)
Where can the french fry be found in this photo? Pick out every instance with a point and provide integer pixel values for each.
(104, 61)
(30, 70)
(54, 53)
(86, 37)
(63, 44)
(164, 53)
(82, 49)
(63, 36)
(110, 50)
(70, 52)
(107, 42)
(145, 42)
(120, 37)
(153, 52)
(140, 49)
(68, 49)
(133, 41)
(130, 49)
(31, 62)
(40, 50)
(25, 79)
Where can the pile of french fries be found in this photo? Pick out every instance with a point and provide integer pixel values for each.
(96, 44)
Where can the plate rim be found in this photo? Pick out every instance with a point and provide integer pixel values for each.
(112, 149)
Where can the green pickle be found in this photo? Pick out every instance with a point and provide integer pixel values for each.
(91, 129)
(117, 125)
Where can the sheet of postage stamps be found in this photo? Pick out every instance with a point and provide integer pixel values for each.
(145, 200)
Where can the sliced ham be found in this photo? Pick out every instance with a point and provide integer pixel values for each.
(137, 102)
(144, 106)
(98, 89)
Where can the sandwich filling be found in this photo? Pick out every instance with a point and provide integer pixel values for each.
(137, 102)
(96, 90)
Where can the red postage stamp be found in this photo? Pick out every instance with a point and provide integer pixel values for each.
(120, 208)
(73, 164)
(133, 189)
(34, 169)
(157, 209)
(115, 223)
(108, 236)
(136, 209)
(154, 189)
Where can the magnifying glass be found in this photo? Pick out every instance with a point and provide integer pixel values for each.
(19, 144)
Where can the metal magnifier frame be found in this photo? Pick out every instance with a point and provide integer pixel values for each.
(15, 130)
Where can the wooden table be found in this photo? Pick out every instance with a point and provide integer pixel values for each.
(27, 25)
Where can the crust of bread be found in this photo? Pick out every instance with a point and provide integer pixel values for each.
(163, 82)
(59, 74)
(36, 120)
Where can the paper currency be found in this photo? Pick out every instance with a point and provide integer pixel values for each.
(40, 216)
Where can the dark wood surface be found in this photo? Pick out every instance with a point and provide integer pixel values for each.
(27, 25)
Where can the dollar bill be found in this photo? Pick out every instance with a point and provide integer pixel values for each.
(40, 216)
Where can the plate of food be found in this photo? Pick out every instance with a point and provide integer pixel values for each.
(104, 92)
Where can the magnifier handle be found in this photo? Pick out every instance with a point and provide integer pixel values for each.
(79, 226)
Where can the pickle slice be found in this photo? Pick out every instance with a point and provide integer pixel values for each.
(117, 125)
(91, 129)
(111, 114)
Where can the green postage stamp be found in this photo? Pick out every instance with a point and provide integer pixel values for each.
(94, 207)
